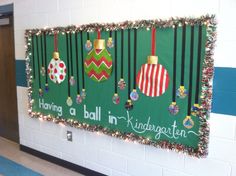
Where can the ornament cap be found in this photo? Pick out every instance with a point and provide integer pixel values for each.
(99, 44)
(115, 94)
(152, 60)
(181, 87)
(55, 55)
(129, 101)
(196, 105)
(173, 103)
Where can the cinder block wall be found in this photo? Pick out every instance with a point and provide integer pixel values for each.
(109, 155)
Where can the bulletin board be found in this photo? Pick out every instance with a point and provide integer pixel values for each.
(147, 81)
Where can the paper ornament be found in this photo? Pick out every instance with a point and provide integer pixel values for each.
(98, 63)
(56, 69)
(152, 78)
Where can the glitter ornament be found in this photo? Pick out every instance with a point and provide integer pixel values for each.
(181, 92)
(134, 95)
(69, 101)
(46, 88)
(40, 92)
(195, 110)
(79, 99)
(72, 81)
(56, 69)
(116, 99)
(88, 45)
(188, 122)
(83, 94)
(129, 105)
(122, 84)
(173, 108)
(155, 84)
(110, 43)
(43, 71)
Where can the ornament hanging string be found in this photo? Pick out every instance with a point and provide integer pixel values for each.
(134, 95)
(183, 54)
(153, 44)
(68, 63)
(77, 62)
(39, 77)
(182, 92)
(128, 104)
(33, 56)
(71, 59)
(55, 42)
(195, 108)
(42, 52)
(83, 94)
(174, 65)
(129, 57)
(98, 34)
(115, 61)
(122, 55)
(198, 63)
(115, 98)
(173, 107)
(88, 38)
(191, 71)
(45, 59)
(188, 122)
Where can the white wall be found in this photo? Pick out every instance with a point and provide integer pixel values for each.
(110, 155)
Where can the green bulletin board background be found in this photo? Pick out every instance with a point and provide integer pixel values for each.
(147, 110)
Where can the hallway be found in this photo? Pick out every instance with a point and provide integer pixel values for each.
(11, 151)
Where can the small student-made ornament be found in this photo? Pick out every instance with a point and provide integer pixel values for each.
(88, 45)
(98, 63)
(188, 122)
(195, 109)
(181, 92)
(56, 67)
(116, 99)
(173, 108)
(153, 78)
(121, 84)
(83, 93)
(79, 99)
(129, 105)
(134, 95)
(69, 101)
(110, 42)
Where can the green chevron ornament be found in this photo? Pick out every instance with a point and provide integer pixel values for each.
(98, 63)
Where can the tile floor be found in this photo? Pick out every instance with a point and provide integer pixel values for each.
(11, 150)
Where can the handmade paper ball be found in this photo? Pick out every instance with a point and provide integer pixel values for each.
(79, 99)
(134, 95)
(188, 122)
(173, 108)
(57, 70)
(195, 110)
(98, 63)
(129, 105)
(110, 43)
(88, 45)
(116, 99)
(181, 92)
(121, 84)
(152, 78)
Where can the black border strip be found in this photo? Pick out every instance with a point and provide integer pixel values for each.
(60, 162)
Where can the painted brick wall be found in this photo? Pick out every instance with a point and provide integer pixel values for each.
(109, 155)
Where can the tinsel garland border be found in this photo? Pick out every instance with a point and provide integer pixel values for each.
(206, 91)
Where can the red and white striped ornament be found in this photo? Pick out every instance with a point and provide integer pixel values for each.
(152, 78)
